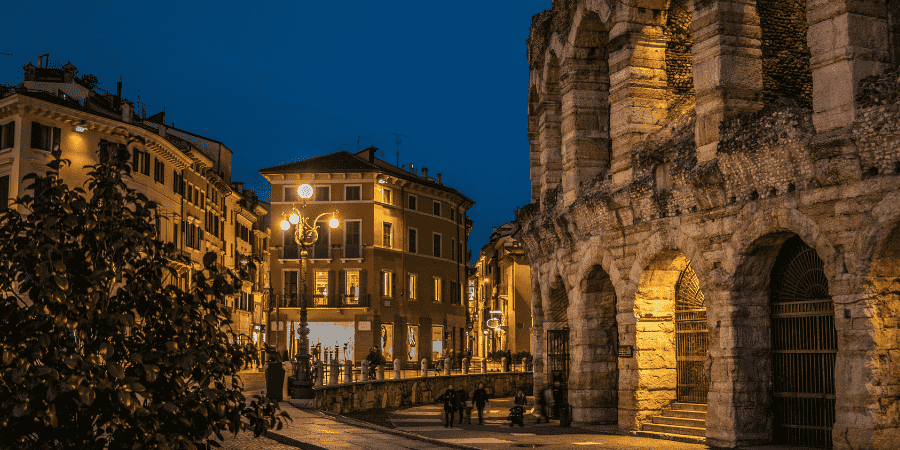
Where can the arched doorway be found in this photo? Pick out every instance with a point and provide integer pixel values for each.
(691, 339)
(804, 347)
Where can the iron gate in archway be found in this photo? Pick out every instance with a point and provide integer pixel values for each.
(691, 339)
(804, 347)
(558, 354)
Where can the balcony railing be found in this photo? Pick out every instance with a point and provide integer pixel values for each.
(320, 301)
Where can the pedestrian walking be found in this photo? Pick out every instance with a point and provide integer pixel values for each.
(543, 400)
(451, 404)
(480, 399)
(465, 407)
(517, 412)
(254, 352)
(558, 397)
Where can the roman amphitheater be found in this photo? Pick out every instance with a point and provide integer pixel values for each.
(715, 217)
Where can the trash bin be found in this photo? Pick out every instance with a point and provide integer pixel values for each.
(565, 417)
(274, 381)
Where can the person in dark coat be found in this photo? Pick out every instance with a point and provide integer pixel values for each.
(480, 399)
(465, 406)
(451, 404)
(543, 402)
(558, 397)
(520, 401)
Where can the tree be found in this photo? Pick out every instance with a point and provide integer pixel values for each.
(98, 349)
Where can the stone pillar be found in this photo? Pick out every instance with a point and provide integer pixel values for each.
(398, 367)
(364, 370)
(424, 367)
(380, 372)
(504, 365)
(446, 367)
(585, 119)
(848, 40)
(348, 371)
(637, 91)
(549, 131)
(727, 66)
(483, 366)
(334, 372)
(465, 366)
(319, 371)
(534, 143)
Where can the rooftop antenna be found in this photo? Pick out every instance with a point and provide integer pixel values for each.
(398, 145)
(358, 137)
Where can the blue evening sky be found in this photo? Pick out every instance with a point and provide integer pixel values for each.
(282, 81)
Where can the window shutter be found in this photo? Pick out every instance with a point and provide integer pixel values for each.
(56, 139)
(332, 296)
(135, 159)
(342, 287)
(35, 135)
(393, 284)
(363, 286)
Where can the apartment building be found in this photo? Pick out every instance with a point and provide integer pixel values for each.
(391, 275)
(186, 174)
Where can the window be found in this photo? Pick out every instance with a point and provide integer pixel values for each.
(44, 137)
(322, 194)
(140, 162)
(453, 214)
(412, 202)
(320, 294)
(437, 245)
(437, 208)
(291, 249)
(351, 280)
(290, 288)
(352, 193)
(323, 243)
(387, 235)
(4, 192)
(352, 239)
(177, 183)
(455, 299)
(290, 194)
(438, 285)
(7, 134)
(387, 281)
(413, 242)
(412, 281)
(387, 196)
(159, 171)
(453, 249)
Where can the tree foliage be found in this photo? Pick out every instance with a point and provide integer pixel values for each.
(97, 349)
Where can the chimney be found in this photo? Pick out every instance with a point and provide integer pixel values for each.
(439, 179)
(372, 151)
(127, 110)
(118, 100)
(41, 60)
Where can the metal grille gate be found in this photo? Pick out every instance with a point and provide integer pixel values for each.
(558, 354)
(691, 339)
(804, 347)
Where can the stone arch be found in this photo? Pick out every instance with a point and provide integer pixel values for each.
(549, 117)
(786, 71)
(648, 380)
(584, 87)
(594, 339)
(742, 367)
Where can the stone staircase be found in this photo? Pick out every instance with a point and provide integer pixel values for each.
(685, 422)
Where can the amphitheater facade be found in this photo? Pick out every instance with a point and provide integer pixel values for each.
(715, 217)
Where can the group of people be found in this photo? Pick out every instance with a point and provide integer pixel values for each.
(459, 401)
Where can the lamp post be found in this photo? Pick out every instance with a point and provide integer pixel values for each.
(305, 234)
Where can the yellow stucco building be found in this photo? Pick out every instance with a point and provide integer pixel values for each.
(187, 175)
(391, 275)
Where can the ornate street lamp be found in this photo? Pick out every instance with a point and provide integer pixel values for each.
(306, 233)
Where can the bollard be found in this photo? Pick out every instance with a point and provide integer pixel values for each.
(397, 369)
(483, 366)
(333, 372)
(424, 365)
(504, 364)
(465, 366)
(380, 373)
(348, 371)
(319, 372)
(447, 367)
(364, 371)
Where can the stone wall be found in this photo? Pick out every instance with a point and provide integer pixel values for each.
(361, 396)
(768, 152)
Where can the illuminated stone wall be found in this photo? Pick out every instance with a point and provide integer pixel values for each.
(710, 137)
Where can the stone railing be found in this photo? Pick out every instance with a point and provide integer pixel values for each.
(364, 395)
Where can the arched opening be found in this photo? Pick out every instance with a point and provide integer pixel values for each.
(679, 62)
(804, 347)
(593, 385)
(785, 53)
(585, 99)
(671, 337)
(557, 329)
(549, 129)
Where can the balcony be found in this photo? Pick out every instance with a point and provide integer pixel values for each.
(320, 301)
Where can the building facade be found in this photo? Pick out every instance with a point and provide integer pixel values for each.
(391, 275)
(714, 222)
(187, 175)
(501, 296)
